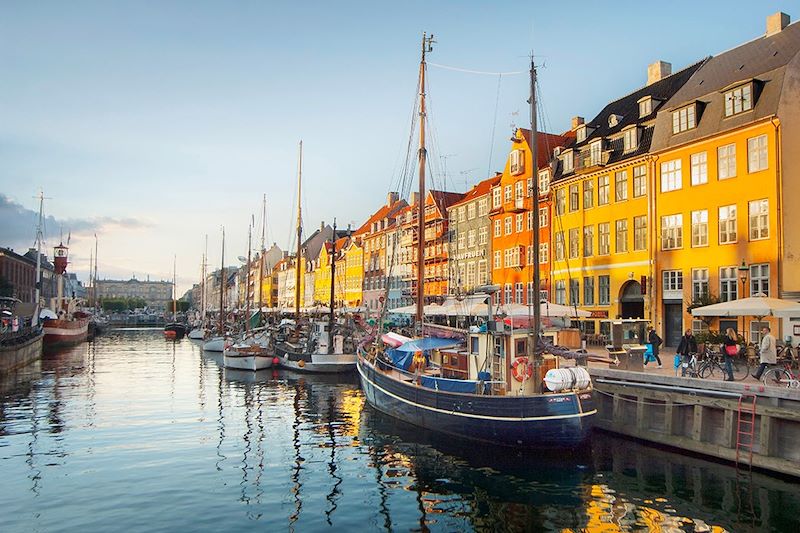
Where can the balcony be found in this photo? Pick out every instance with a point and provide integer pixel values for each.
(517, 205)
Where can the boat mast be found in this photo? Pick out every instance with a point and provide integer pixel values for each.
(263, 251)
(94, 283)
(299, 236)
(39, 238)
(533, 331)
(427, 46)
(90, 270)
(174, 289)
(222, 283)
(247, 287)
(203, 296)
(333, 282)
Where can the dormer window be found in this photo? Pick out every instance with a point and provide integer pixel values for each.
(544, 181)
(568, 160)
(595, 152)
(517, 162)
(739, 100)
(580, 134)
(630, 138)
(684, 118)
(614, 120)
(645, 106)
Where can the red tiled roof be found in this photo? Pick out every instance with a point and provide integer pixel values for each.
(380, 214)
(444, 199)
(545, 144)
(479, 189)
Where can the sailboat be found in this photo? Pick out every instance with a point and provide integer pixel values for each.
(199, 332)
(327, 346)
(174, 330)
(252, 351)
(217, 343)
(475, 392)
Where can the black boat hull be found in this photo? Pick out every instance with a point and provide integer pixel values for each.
(542, 421)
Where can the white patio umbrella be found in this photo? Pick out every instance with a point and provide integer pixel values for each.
(758, 306)
(547, 310)
(405, 310)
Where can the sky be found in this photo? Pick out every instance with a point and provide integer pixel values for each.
(152, 124)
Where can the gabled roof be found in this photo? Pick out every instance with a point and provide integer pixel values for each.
(545, 143)
(481, 188)
(384, 211)
(443, 199)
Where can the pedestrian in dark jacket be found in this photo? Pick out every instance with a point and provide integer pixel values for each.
(686, 348)
(655, 341)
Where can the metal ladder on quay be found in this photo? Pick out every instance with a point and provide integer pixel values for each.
(745, 435)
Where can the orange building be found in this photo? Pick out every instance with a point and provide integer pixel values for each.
(511, 214)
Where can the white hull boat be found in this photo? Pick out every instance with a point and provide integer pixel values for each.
(215, 344)
(197, 334)
(246, 357)
(320, 363)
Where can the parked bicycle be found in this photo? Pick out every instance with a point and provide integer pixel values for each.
(690, 368)
(784, 376)
(786, 351)
(713, 365)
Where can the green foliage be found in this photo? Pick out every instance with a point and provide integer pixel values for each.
(118, 305)
(181, 306)
(6, 288)
(714, 337)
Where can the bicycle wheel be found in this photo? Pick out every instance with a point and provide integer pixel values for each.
(706, 370)
(740, 369)
(777, 377)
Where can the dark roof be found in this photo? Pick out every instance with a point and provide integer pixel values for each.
(764, 59)
(546, 142)
(444, 199)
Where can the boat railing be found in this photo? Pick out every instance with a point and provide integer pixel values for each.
(9, 337)
(485, 385)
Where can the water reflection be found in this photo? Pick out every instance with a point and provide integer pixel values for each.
(151, 435)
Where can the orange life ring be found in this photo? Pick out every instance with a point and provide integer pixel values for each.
(521, 369)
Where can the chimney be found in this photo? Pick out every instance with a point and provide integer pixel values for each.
(392, 198)
(576, 121)
(414, 198)
(658, 71)
(777, 22)
(322, 226)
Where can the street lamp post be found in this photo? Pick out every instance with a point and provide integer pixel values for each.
(743, 270)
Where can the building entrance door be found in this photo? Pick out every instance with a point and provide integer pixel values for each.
(631, 301)
(673, 324)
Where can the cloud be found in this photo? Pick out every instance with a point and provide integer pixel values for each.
(18, 224)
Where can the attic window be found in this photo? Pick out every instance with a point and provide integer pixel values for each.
(645, 106)
(613, 120)
(580, 134)
(630, 138)
(739, 100)
(596, 152)
(568, 160)
(684, 118)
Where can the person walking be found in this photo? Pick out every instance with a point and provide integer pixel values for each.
(686, 348)
(768, 352)
(655, 341)
(730, 347)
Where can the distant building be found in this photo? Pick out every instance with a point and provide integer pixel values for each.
(154, 293)
(18, 271)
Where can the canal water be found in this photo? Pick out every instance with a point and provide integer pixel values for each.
(135, 433)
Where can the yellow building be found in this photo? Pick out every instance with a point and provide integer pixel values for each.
(352, 262)
(322, 280)
(601, 255)
(722, 178)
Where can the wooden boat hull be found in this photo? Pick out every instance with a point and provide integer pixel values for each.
(247, 362)
(543, 421)
(317, 363)
(21, 352)
(65, 332)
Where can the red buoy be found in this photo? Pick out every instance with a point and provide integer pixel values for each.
(275, 360)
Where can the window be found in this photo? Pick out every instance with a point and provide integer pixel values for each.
(517, 162)
(588, 291)
(508, 225)
(483, 273)
(544, 182)
(471, 274)
(672, 280)
(699, 283)
(544, 252)
(645, 106)
(507, 295)
(639, 181)
(671, 232)
(561, 201)
(519, 222)
(603, 238)
(496, 197)
(739, 100)
(595, 152)
(699, 228)
(471, 211)
(755, 330)
(498, 228)
(621, 186)
(604, 290)
(471, 238)
(518, 292)
(759, 279)
(727, 224)
(519, 189)
(728, 284)
(630, 139)
(530, 293)
(574, 292)
(573, 197)
(483, 207)
(462, 214)
(574, 245)
(483, 235)
(530, 220)
(580, 134)
(507, 194)
(683, 119)
(757, 153)
(498, 259)
(529, 187)
(621, 245)
(640, 232)
(698, 326)
(588, 193)
(602, 190)
(671, 178)
(758, 222)
(699, 163)
(561, 292)
(568, 160)
(461, 237)
(559, 246)
(726, 161)
(588, 241)
(544, 217)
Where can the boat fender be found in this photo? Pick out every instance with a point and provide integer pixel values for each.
(301, 363)
(521, 369)
(275, 360)
(558, 379)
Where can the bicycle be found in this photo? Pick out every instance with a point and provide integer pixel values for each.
(786, 351)
(782, 377)
(690, 369)
(714, 361)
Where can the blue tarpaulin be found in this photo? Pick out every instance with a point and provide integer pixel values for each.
(400, 359)
(428, 343)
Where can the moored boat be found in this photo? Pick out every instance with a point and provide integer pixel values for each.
(247, 357)
(62, 332)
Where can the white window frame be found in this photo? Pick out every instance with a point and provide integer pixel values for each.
(739, 100)
(561, 292)
(508, 225)
(507, 194)
(483, 235)
(520, 221)
(645, 106)
(544, 182)
(621, 186)
(604, 238)
(497, 196)
(596, 152)
(574, 198)
(529, 218)
(728, 284)
(639, 181)
(517, 162)
(603, 190)
(757, 157)
(728, 227)
(519, 189)
(498, 228)
(700, 283)
(672, 232)
(726, 161)
(574, 243)
(588, 241)
(560, 245)
(544, 217)
(759, 279)
(483, 207)
(621, 236)
(758, 219)
(630, 139)
(671, 176)
(544, 252)
(471, 211)
(699, 228)
(498, 259)
(699, 168)
(561, 201)
(684, 119)
(568, 161)
(588, 193)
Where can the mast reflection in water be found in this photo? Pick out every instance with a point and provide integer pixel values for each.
(132, 432)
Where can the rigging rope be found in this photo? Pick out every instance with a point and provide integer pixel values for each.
(481, 72)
